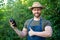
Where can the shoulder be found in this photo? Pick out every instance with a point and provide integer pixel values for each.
(45, 23)
(28, 21)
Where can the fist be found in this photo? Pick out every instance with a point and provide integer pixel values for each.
(31, 32)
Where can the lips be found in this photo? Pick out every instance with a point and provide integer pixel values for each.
(37, 14)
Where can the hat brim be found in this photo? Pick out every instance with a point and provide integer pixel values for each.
(35, 7)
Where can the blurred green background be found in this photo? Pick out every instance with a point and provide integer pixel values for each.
(18, 9)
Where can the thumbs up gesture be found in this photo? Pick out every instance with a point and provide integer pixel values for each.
(31, 32)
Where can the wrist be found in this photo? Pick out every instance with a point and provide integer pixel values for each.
(34, 33)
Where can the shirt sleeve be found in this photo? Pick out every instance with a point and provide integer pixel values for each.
(26, 23)
(48, 23)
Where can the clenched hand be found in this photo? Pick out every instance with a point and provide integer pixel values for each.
(31, 32)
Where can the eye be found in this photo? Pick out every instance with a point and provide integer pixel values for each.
(34, 9)
(38, 9)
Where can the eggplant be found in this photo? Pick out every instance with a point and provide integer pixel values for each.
(13, 22)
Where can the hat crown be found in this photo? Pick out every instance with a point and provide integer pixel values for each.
(36, 4)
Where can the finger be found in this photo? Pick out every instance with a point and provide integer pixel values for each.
(11, 23)
(30, 29)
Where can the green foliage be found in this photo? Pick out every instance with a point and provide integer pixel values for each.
(20, 12)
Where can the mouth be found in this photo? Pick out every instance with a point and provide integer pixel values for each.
(37, 15)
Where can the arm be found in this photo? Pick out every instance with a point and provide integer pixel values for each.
(22, 33)
(46, 33)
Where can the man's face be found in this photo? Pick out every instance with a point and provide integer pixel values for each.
(36, 12)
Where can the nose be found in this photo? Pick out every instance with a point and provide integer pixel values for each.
(36, 11)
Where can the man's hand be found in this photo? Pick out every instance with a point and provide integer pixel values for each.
(31, 32)
(11, 24)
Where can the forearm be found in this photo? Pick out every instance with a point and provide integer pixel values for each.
(43, 34)
(20, 33)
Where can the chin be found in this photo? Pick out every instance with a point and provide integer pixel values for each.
(37, 15)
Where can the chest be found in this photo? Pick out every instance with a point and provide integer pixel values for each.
(35, 26)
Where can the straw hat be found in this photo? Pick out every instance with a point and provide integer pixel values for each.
(36, 5)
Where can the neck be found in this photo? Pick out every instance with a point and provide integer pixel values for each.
(36, 18)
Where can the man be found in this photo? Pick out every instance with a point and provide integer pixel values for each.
(35, 28)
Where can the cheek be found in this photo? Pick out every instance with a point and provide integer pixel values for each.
(33, 12)
(39, 11)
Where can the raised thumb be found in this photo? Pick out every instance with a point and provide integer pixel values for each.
(30, 29)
